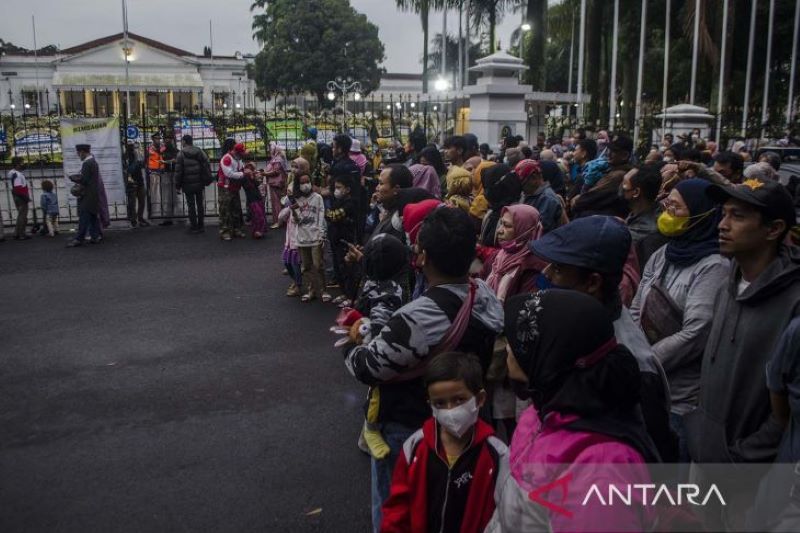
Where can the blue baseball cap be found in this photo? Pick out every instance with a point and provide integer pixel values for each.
(598, 243)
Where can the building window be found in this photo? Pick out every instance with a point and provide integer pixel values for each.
(136, 104)
(182, 102)
(30, 104)
(156, 102)
(103, 103)
(221, 100)
(74, 103)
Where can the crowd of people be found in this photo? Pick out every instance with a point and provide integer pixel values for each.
(518, 315)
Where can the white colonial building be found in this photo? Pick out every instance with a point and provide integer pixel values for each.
(90, 79)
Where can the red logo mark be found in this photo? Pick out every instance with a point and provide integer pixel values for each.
(537, 495)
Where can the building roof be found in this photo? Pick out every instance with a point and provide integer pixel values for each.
(117, 36)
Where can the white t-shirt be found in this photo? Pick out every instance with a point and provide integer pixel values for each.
(17, 178)
(743, 284)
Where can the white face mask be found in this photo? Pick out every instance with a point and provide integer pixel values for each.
(457, 420)
(305, 188)
(338, 194)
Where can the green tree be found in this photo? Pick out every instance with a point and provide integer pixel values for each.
(423, 9)
(306, 43)
(435, 57)
(486, 14)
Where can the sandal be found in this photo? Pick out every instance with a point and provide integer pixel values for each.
(307, 297)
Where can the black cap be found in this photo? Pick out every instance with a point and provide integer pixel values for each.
(769, 197)
(83, 148)
(598, 243)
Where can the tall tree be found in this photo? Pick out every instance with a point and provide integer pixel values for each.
(486, 14)
(306, 43)
(423, 9)
(435, 57)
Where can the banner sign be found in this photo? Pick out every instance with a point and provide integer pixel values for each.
(201, 129)
(103, 136)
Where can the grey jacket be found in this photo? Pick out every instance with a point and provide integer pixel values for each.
(693, 289)
(733, 421)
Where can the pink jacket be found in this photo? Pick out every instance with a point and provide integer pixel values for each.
(552, 469)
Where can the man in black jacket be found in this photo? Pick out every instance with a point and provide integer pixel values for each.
(89, 199)
(192, 174)
(344, 167)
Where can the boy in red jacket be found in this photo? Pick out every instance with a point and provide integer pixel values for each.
(445, 478)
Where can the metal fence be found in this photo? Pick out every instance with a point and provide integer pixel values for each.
(287, 119)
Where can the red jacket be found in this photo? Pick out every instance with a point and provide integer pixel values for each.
(425, 492)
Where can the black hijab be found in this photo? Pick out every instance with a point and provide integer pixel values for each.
(500, 186)
(702, 239)
(588, 374)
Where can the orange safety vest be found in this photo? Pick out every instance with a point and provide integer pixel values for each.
(154, 161)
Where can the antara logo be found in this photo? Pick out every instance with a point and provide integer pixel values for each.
(651, 494)
(646, 494)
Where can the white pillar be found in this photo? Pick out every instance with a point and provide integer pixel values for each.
(612, 91)
(721, 94)
(790, 103)
(749, 66)
(571, 50)
(695, 47)
(639, 75)
(444, 43)
(665, 86)
(581, 44)
(765, 102)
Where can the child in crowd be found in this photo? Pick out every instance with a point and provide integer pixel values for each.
(444, 479)
(308, 212)
(291, 254)
(385, 262)
(341, 219)
(49, 204)
(255, 202)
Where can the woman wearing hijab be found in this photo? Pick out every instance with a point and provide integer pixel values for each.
(479, 205)
(275, 174)
(585, 391)
(501, 188)
(425, 178)
(675, 299)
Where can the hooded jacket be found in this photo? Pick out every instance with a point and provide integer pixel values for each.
(544, 453)
(427, 495)
(408, 339)
(189, 169)
(733, 422)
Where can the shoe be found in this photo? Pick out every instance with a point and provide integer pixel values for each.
(326, 297)
(293, 291)
(285, 272)
(225, 237)
(275, 226)
(166, 223)
(307, 297)
(345, 303)
(339, 299)
(143, 223)
(332, 285)
(240, 234)
(74, 244)
(257, 235)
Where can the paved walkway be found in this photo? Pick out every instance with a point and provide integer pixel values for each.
(163, 382)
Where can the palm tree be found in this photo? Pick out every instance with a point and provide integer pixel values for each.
(422, 8)
(487, 13)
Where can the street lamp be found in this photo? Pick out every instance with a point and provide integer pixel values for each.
(441, 85)
(526, 26)
(344, 86)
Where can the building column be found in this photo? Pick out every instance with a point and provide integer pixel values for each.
(62, 100)
(116, 103)
(142, 101)
(88, 101)
(170, 102)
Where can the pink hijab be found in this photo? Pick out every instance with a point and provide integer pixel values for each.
(425, 177)
(516, 255)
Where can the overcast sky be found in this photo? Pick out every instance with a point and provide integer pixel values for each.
(184, 24)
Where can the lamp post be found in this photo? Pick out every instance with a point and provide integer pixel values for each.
(344, 86)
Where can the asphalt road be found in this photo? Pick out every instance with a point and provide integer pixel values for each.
(164, 382)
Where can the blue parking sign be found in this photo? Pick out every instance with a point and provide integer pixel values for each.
(132, 132)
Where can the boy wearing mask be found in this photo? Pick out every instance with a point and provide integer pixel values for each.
(445, 476)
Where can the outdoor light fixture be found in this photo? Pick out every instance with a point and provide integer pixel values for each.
(413, 105)
(238, 105)
(441, 84)
(225, 106)
(12, 106)
(398, 105)
(357, 97)
(27, 106)
(525, 26)
(331, 96)
(436, 108)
